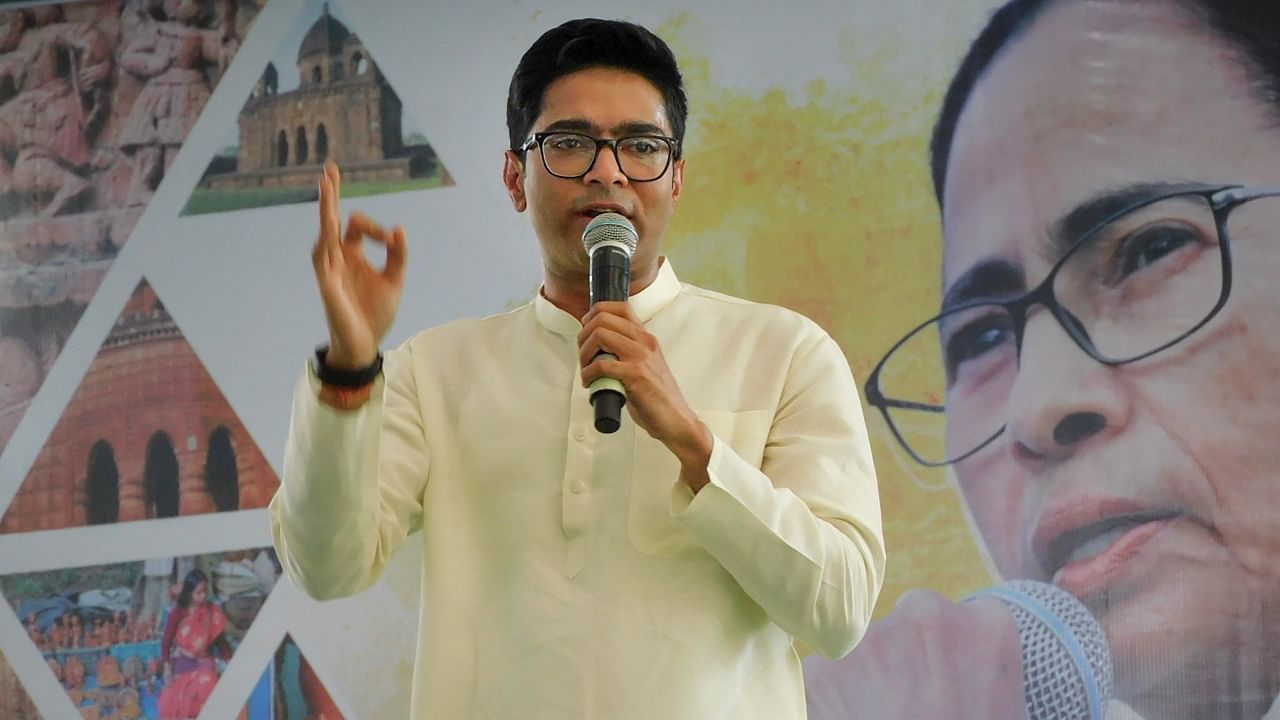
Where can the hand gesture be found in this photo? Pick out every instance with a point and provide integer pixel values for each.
(360, 300)
(654, 399)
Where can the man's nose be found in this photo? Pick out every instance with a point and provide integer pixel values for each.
(606, 170)
(1062, 398)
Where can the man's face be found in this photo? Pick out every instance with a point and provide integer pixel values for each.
(603, 103)
(1160, 514)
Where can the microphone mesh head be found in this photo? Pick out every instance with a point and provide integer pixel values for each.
(610, 227)
(1066, 662)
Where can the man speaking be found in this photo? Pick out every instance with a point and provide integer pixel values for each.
(674, 568)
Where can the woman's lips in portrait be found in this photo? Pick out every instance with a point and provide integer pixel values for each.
(1086, 546)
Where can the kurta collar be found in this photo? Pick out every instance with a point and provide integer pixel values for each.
(645, 303)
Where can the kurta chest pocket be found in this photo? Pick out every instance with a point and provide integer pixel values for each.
(655, 471)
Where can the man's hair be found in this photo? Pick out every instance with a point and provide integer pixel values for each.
(588, 43)
(1251, 27)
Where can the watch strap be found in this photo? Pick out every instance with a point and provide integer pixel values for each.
(341, 378)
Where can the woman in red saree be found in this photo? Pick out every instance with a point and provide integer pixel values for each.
(191, 638)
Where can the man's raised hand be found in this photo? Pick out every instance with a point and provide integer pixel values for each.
(360, 301)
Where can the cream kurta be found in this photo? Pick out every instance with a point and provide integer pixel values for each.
(568, 574)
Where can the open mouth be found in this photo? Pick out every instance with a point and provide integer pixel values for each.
(594, 211)
(1092, 541)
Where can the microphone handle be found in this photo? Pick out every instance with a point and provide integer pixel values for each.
(610, 281)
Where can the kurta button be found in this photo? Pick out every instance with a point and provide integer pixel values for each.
(576, 488)
(579, 434)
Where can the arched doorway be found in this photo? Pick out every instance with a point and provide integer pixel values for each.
(160, 477)
(322, 144)
(220, 474)
(102, 485)
(282, 149)
(300, 146)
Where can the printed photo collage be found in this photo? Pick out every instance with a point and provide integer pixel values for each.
(129, 582)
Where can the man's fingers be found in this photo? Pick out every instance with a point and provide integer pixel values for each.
(609, 319)
(608, 340)
(361, 226)
(326, 256)
(397, 254)
(604, 366)
(335, 248)
(331, 170)
(330, 222)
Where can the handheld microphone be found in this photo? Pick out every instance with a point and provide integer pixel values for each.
(1066, 663)
(610, 239)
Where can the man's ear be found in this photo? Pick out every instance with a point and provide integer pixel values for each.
(513, 178)
(677, 178)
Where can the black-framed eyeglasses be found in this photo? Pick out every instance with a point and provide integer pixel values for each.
(570, 155)
(1144, 279)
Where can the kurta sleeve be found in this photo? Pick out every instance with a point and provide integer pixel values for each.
(801, 534)
(353, 482)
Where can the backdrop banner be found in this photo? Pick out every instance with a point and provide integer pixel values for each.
(1040, 231)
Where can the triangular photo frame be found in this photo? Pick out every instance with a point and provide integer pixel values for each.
(289, 689)
(147, 435)
(146, 638)
(321, 98)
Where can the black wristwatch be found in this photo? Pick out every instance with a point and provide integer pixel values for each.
(337, 377)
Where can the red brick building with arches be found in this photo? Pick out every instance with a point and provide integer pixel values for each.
(148, 434)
